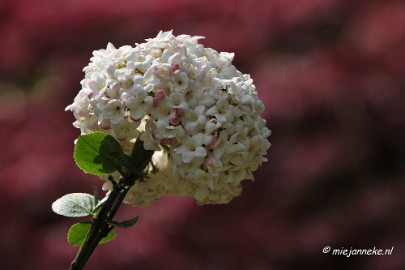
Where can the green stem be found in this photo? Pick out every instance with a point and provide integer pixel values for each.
(101, 224)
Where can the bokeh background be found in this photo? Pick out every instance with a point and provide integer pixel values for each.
(332, 76)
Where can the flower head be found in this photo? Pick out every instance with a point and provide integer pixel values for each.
(199, 113)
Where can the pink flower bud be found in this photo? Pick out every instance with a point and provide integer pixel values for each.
(210, 161)
(160, 95)
(106, 124)
(180, 112)
(175, 67)
(175, 120)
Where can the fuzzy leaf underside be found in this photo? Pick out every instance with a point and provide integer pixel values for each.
(74, 205)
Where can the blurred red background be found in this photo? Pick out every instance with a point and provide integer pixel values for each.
(332, 76)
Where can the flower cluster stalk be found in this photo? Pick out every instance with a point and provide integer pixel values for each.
(102, 222)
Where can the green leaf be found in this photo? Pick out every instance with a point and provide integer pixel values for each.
(125, 224)
(126, 162)
(97, 153)
(78, 233)
(99, 205)
(141, 156)
(74, 205)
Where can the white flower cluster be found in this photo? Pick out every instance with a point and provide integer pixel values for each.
(188, 103)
